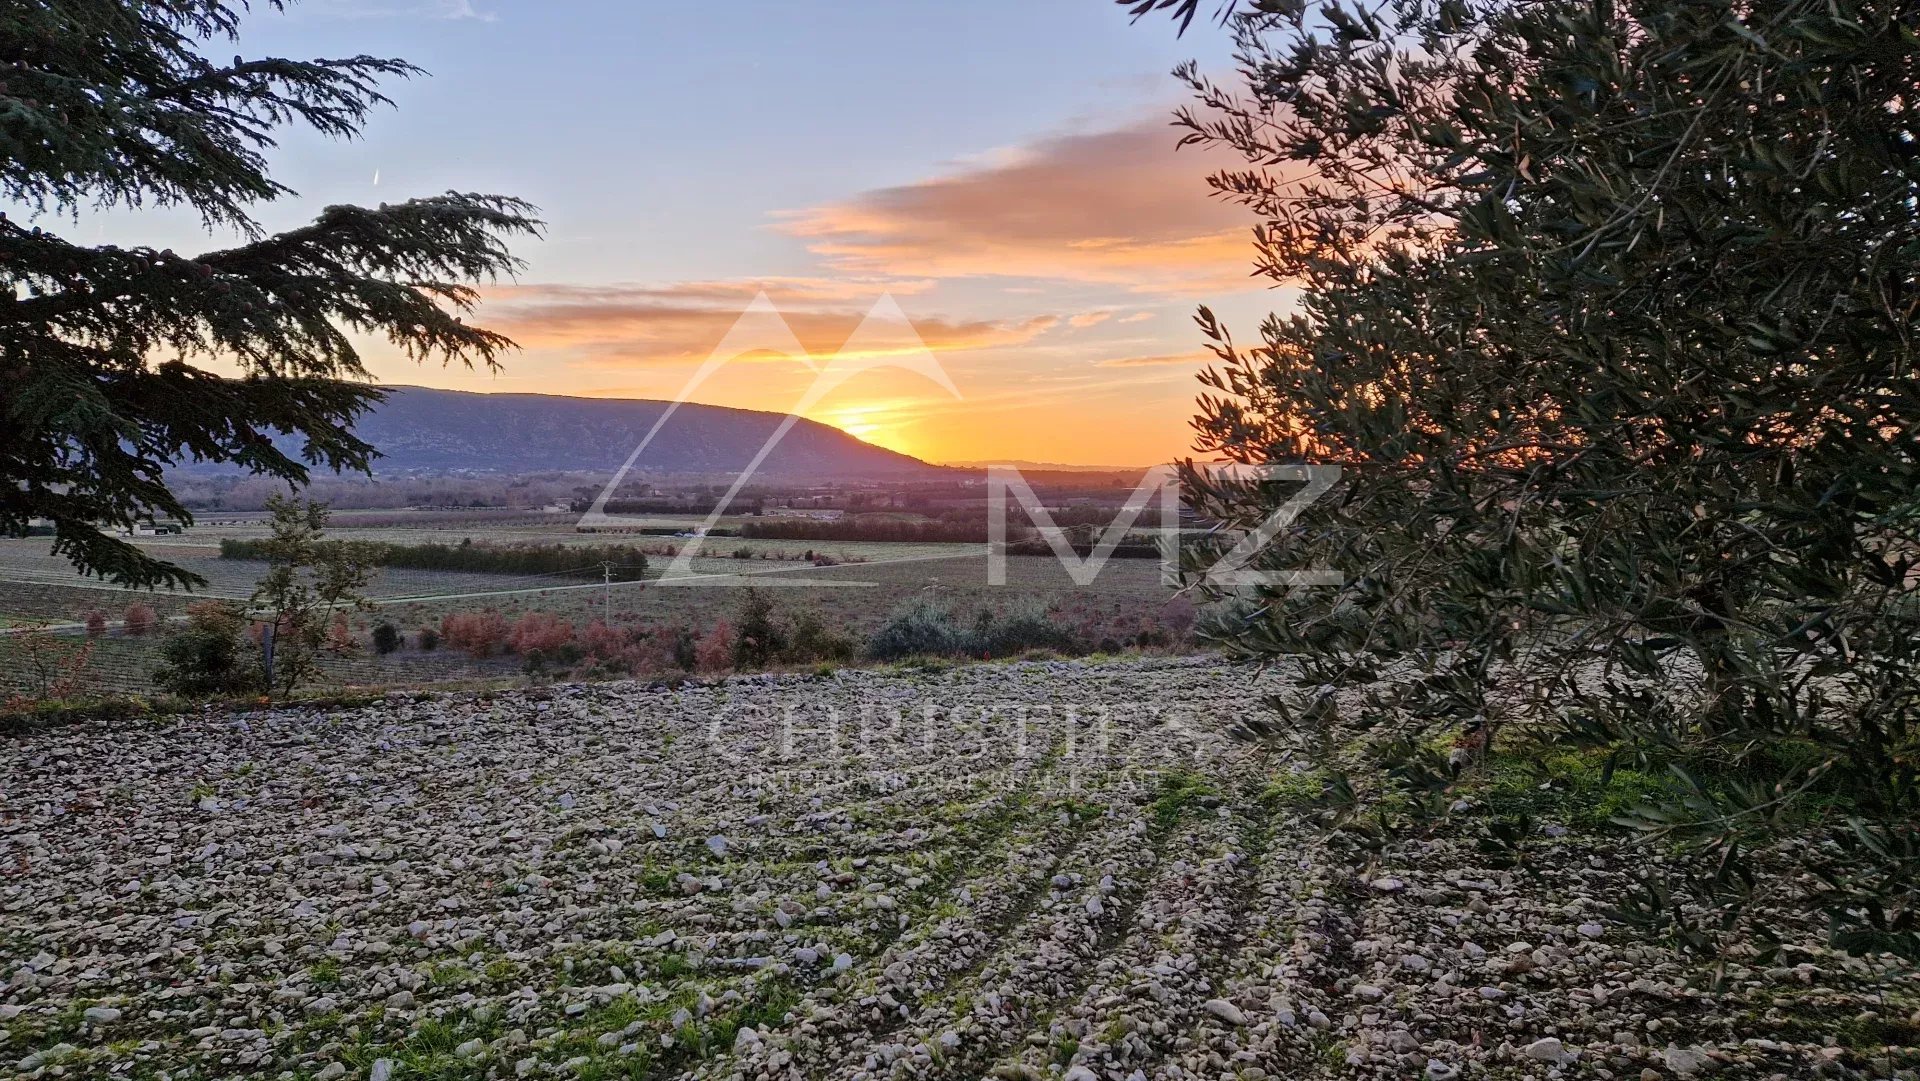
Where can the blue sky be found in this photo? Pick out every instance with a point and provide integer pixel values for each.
(1003, 168)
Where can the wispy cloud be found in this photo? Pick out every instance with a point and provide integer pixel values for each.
(681, 322)
(1116, 207)
(1197, 356)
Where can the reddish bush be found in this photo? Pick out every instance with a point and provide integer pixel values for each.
(340, 634)
(714, 653)
(96, 623)
(619, 648)
(478, 634)
(543, 631)
(139, 619)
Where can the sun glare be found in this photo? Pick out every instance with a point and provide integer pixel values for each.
(870, 422)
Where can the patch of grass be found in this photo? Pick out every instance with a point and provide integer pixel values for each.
(1574, 787)
(1180, 790)
(1065, 1048)
(449, 974)
(1082, 809)
(1295, 789)
(672, 966)
(324, 973)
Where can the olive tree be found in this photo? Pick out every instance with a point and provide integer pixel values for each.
(1607, 314)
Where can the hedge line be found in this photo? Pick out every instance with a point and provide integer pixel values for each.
(561, 560)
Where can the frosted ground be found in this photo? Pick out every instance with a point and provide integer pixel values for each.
(1033, 870)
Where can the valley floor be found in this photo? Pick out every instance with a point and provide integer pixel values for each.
(1038, 869)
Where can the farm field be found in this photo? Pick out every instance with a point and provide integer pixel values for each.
(871, 581)
(1024, 870)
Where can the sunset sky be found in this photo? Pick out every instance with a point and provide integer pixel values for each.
(1003, 169)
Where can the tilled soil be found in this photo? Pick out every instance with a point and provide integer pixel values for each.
(1030, 870)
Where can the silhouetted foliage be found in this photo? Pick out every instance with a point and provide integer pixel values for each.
(115, 104)
(1607, 314)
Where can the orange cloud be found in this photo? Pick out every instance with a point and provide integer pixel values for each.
(1117, 207)
(682, 322)
(1195, 357)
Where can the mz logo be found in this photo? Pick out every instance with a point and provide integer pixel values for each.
(1230, 572)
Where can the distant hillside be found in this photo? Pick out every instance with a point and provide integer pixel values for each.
(417, 429)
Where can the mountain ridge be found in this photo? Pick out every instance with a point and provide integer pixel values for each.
(421, 429)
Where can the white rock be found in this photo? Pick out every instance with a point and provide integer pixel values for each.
(1225, 1011)
(1548, 1049)
(1684, 1061)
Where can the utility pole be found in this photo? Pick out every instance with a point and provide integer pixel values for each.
(606, 593)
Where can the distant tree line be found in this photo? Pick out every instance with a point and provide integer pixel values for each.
(670, 506)
(864, 528)
(561, 560)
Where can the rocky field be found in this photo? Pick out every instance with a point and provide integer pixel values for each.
(1033, 870)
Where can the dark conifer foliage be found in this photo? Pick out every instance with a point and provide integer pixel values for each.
(105, 351)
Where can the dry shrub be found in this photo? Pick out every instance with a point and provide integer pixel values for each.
(543, 631)
(714, 652)
(478, 634)
(139, 619)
